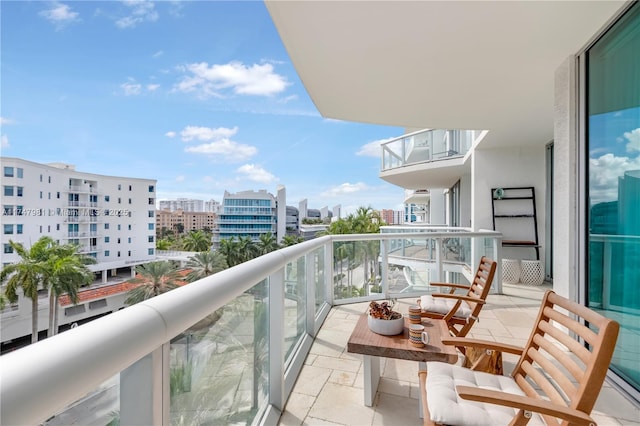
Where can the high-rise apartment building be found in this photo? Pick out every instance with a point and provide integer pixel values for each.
(110, 218)
(251, 214)
(392, 217)
(212, 206)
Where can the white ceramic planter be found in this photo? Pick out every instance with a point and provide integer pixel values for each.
(386, 327)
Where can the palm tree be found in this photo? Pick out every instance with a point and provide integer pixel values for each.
(289, 240)
(3, 299)
(230, 249)
(267, 243)
(247, 248)
(340, 226)
(204, 264)
(196, 241)
(27, 274)
(156, 278)
(163, 244)
(67, 272)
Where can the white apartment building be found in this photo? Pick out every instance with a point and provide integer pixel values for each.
(110, 218)
(212, 206)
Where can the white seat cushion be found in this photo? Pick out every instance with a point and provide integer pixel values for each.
(446, 407)
(443, 305)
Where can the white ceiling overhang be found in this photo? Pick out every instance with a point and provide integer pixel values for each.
(438, 64)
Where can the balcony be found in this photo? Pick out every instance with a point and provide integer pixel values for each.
(76, 234)
(257, 341)
(442, 154)
(90, 249)
(82, 189)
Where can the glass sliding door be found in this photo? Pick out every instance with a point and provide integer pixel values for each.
(613, 138)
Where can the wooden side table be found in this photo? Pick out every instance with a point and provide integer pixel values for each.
(373, 346)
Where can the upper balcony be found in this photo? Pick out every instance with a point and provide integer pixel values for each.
(438, 157)
(240, 345)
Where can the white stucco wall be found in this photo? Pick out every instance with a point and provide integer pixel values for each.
(465, 200)
(508, 167)
(437, 207)
(565, 217)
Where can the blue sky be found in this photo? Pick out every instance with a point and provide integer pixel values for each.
(614, 148)
(199, 95)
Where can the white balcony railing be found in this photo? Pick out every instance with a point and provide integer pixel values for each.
(82, 189)
(607, 253)
(225, 348)
(427, 145)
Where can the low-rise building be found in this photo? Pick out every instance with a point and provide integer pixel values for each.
(181, 222)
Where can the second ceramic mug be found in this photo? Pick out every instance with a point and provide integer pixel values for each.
(417, 335)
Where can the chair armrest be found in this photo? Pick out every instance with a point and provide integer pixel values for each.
(524, 403)
(459, 297)
(484, 344)
(466, 287)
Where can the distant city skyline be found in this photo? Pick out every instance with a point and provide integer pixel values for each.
(201, 96)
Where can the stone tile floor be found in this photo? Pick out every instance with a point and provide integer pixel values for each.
(329, 390)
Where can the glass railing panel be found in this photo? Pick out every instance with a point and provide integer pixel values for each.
(318, 278)
(356, 269)
(295, 303)
(427, 145)
(488, 247)
(100, 406)
(614, 292)
(456, 249)
(393, 154)
(219, 366)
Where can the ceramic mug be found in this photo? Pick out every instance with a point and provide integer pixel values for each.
(417, 335)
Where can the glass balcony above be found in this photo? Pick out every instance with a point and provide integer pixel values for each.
(435, 154)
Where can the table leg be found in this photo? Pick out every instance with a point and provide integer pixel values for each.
(421, 366)
(371, 378)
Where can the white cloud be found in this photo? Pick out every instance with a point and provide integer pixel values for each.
(634, 140)
(141, 11)
(131, 88)
(256, 173)
(288, 99)
(175, 8)
(170, 134)
(345, 188)
(229, 150)
(219, 144)
(372, 149)
(158, 54)
(206, 81)
(4, 141)
(180, 178)
(190, 133)
(60, 15)
(604, 173)
(6, 121)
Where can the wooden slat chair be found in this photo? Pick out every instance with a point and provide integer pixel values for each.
(460, 311)
(559, 382)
